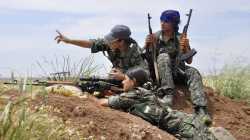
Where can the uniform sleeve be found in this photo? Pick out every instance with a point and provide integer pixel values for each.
(137, 60)
(113, 101)
(98, 45)
(123, 101)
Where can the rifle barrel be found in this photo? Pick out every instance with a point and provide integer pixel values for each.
(185, 29)
(107, 80)
(149, 24)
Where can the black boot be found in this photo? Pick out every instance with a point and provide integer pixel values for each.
(203, 113)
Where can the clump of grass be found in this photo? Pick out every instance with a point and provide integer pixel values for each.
(64, 69)
(232, 81)
(17, 122)
(3, 88)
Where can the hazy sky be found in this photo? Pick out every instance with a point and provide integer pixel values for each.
(219, 29)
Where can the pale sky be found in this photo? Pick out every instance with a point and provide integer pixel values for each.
(219, 30)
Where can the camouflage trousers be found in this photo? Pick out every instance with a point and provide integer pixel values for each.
(182, 125)
(185, 126)
(191, 78)
(143, 103)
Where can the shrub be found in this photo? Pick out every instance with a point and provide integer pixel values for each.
(17, 122)
(232, 81)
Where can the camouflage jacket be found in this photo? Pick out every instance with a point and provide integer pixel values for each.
(144, 103)
(123, 60)
(171, 46)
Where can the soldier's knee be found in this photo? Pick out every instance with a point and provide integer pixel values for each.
(191, 71)
(164, 58)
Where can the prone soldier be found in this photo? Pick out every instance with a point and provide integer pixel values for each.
(143, 103)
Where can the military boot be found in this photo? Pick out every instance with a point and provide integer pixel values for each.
(166, 97)
(203, 113)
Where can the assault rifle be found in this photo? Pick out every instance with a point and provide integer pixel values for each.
(93, 84)
(184, 56)
(90, 85)
(151, 58)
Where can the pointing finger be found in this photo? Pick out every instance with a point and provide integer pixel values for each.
(58, 32)
(57, 37)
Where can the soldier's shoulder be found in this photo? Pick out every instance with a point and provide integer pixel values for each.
(135, 48)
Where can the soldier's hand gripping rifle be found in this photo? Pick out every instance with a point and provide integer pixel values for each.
(186, 53)
(151, 58)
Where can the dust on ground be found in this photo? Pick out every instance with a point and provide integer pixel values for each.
(225, 112)
(91, 120)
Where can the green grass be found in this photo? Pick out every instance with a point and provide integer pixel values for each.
(19, 122)
(4, 88)
(232, 81)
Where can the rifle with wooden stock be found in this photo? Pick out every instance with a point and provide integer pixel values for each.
(184, 55)
(151, 58)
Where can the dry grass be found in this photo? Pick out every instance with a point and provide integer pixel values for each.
(68, 70)
(232, 81)
(19, 122)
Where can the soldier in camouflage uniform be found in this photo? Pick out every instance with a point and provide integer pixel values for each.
(143, 103)
(121, 49)
(168, 46)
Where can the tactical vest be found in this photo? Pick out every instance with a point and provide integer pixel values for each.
(172, 48)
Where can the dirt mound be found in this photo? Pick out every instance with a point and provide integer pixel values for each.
(90, 119)
(232, 115)
(102, 123)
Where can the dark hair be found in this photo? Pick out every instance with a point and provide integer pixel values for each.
(139, 74)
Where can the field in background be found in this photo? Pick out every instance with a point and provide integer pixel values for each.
(19, 122)
(231, 81)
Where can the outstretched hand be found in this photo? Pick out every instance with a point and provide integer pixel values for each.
(60, 37)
